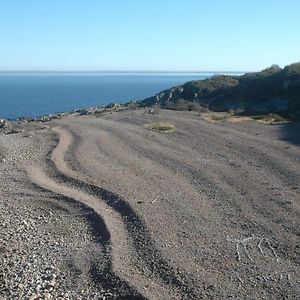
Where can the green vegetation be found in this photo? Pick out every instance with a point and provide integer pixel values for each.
(161, 126)
(182, 104)
(273, 90)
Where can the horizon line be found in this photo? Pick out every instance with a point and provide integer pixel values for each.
(122, 71)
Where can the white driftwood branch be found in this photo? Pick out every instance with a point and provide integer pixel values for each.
(244, 242)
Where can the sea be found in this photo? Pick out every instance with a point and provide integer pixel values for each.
(37, 94)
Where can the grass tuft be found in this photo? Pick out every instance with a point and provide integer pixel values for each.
(213, 117)
(270, 118)
(161, 127)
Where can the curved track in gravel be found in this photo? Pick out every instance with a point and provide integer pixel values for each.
(108, 279)
(209, 211)
(125, 227)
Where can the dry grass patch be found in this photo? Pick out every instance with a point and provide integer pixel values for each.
(238, 119)
(224, 117)
(266, 119)
(230, 118)
(213, 117)
(270, 119)
(161, 127)
(218, 117)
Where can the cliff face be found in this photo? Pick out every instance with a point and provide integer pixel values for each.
(271, 90)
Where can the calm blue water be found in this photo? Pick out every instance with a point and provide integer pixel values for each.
(34, 95)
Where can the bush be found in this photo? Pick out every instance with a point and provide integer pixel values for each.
(182, 104)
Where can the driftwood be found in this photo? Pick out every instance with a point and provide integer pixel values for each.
(243, 243)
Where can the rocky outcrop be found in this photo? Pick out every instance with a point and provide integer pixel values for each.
(271, 90)
(113, 105)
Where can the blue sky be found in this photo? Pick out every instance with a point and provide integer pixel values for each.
(174, 35)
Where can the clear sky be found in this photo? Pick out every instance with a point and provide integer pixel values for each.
(174, 35)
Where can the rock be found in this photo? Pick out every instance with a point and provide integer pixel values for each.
(47, 295)
(112, 105)
(46, 118)
(12, 131)
(51, 284)
(34, 296)
(83, 112)
(7, 127)
(53, 277)
(26, 120)
(153, 111)
(4, 124)
(38, 289)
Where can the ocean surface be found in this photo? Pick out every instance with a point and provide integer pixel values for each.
(36, 94)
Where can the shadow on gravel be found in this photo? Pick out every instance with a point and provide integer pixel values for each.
(291, 133)
(102, 274)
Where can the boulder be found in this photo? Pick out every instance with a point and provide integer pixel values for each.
(83, 112)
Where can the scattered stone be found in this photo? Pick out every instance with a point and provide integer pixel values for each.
(12, 131)
(2, 123)
(83, 112)
(113, 105)
(153, 111)
(47, 118)
(26, 120)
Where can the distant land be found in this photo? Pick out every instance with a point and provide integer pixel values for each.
(273, 90)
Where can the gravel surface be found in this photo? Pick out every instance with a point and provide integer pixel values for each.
(51, 247)
(104, 208)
